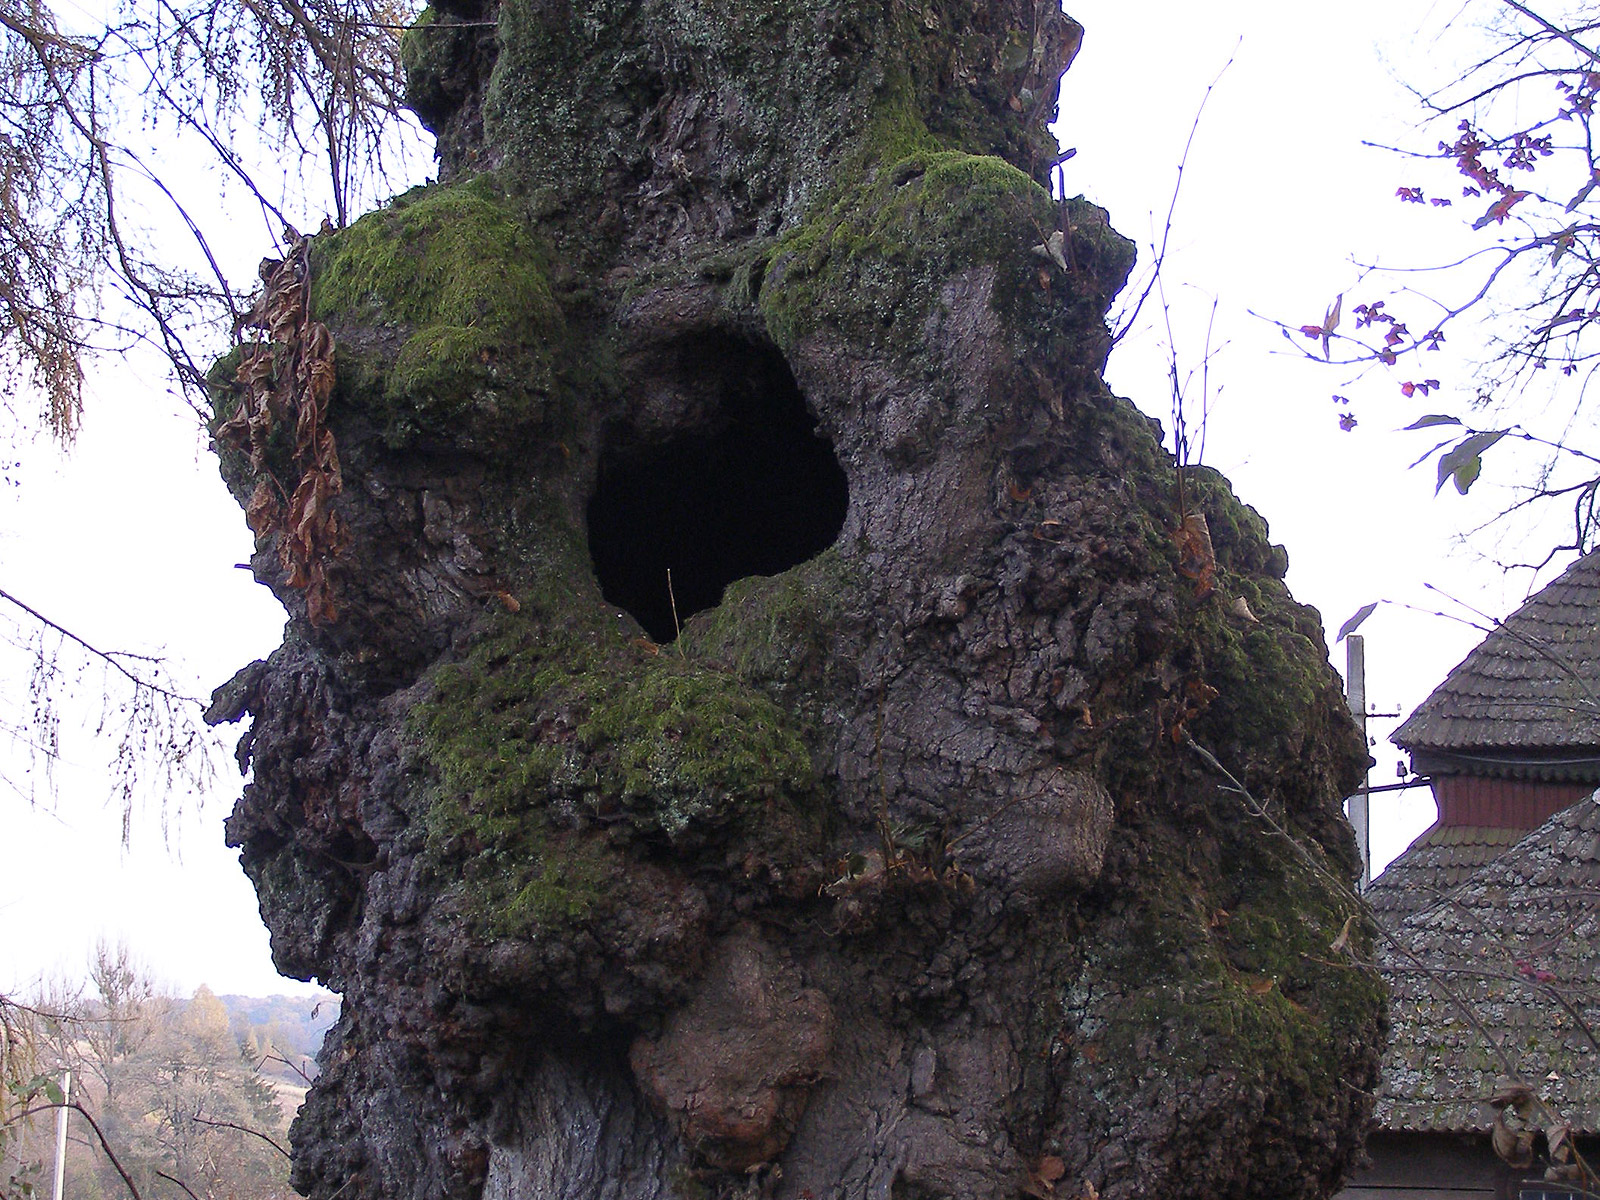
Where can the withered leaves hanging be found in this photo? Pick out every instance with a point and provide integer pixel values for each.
(285, 380)
(1197, 561)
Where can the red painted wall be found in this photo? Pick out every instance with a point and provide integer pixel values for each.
(1502, 803)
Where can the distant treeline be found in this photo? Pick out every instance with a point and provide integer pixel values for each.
(188, 1093)
(286, 1027)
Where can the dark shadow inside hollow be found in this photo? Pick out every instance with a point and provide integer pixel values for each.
(733, 481)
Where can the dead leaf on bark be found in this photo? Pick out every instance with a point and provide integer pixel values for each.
(262, 513)
(1043, 1176)
(1196, 559)
(1343, 940)
(287, 378)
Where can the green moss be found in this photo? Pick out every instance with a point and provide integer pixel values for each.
(456, 274)
(1268, 676)
(775, 629)
(1275, 693)
(554, 717)
(1245, 985)
(458, 256)
(872, 263)
(1239, 533)
(415, 54)
(434, 358)
(805, 95)
(687, 746)
(894, 131)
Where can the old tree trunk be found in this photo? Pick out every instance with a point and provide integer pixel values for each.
(894, 874)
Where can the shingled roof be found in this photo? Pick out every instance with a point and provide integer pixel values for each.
(1527, 700)
(1434, 865)
(1518, 943)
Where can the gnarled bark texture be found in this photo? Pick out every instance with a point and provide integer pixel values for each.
(892, 874)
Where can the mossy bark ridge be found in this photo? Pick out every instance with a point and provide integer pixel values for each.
(883, 870)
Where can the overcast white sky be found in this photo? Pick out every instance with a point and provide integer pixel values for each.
(132, 540)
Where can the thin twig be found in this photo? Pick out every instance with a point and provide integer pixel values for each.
(177, 1182)
(112, 658)
(1172, 206)
(242, 1129)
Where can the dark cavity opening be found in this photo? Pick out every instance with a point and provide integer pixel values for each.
(731, 479)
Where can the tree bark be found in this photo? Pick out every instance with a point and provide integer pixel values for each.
(887, 871)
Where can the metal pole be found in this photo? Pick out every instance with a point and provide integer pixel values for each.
(61, 1131)
(1356, 693)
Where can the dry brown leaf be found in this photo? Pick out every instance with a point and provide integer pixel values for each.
(1343, 940)
(1041, 1180)
(327, 458)
(284, 315)
(1514, 1147)
(322, 378)
(318, 341)
(261, 514)
(255, 366)
(305, 431)
(320, 609)
(1196, 559)
(1559, 1140)
(289, 378)
(1517, 1095)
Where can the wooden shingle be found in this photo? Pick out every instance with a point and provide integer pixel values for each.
(1526, 702)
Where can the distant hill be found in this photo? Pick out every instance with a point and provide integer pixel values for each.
(287, 1028)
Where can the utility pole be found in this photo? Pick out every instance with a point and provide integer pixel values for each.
(61, 1131)
(1355, 675)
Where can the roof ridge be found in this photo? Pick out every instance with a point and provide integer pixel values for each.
(1534, 680)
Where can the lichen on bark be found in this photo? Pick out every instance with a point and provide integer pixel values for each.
(884, 870)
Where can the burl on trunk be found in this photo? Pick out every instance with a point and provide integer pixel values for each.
(732, 732)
